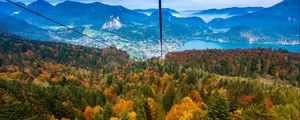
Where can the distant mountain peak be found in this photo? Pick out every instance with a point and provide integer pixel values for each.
(114, 23)
(41, 2)
(40, 5)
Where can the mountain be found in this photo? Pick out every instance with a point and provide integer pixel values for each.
(22, 28)
(279, 22)
(40, 6)
(241, 34)
(10, 9)
(120, 21)
(150, 11)
(112, 23)
(75, 13)
(6, 34)
(173, 27)
(230, 11)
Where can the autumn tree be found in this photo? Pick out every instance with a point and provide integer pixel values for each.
(183, 110)
(151, 109)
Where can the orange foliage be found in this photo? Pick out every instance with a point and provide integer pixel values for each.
(269, 103)
(88, 112)
(56, 79)
(27, 71)
(45, 73)
(168, 87)
(85, 83)
(123, 106)
(245, 99)
(29, 53)
(164, 78)
(196, 96)
(109, 91)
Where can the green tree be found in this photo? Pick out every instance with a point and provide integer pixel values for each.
(107, 111)
(218, 108)
(168, 99)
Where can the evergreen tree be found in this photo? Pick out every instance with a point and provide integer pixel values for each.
(218, 108)
(168, 99)
(107, 111)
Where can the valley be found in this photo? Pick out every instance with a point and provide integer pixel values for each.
(84, 60)
(137, 30)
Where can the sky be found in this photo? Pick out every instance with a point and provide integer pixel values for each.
(176, 4)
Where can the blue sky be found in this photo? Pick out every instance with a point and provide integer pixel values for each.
(178, 4)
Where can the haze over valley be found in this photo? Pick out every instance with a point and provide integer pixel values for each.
(137, 30)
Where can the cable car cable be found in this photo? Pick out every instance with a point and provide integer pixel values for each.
(56, 22)
(160, 29)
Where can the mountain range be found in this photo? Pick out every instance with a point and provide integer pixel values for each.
(150, 11)
(230, 11)
(22, 28)
(280, 21)
(251, 24)
(128, 21)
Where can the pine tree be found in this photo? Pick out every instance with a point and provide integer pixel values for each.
(218, 108)
(168, 99)
(107, 111)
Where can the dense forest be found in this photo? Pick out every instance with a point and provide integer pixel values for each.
(47, 80)
(240, 62)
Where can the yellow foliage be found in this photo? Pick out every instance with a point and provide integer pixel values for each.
(187, 116)
(16, 75)
(153, 108)
(183, 110)
(114, 118)
(97, 110)
(5, 76)
(40, 83)
(238, 111)
(222, 91)
(5, 98)
(132, 116)
(237, 114)
(72, 78)
(53, 117)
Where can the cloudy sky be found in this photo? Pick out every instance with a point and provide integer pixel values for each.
(177, 4)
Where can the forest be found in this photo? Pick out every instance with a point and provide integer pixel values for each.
(56, 81)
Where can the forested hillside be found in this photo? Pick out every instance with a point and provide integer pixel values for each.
(243, 62)
(43, 80)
